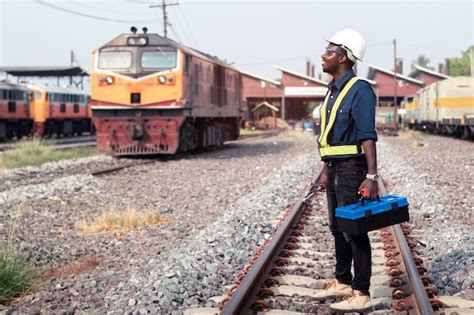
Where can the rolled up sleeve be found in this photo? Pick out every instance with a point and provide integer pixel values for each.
(363, 113)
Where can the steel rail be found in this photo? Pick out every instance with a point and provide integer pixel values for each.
(118, 168)
(421, 297)
(240, 300)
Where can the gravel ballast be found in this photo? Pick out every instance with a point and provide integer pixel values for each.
(217, 208)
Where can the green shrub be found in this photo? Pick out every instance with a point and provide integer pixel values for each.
(17, 277)
(34, 153)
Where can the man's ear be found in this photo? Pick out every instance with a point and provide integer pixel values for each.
(342, 59)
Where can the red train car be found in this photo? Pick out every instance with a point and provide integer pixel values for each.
(152, 95)
(15, 120)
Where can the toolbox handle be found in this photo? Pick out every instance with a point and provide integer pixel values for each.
(364, 195)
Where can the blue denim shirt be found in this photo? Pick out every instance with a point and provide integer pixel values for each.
(355, 121)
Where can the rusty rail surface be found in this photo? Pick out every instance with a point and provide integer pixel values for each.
(421, 299)
(413, 298)
(241, 299)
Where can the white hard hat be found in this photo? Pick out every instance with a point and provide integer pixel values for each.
(351, 41)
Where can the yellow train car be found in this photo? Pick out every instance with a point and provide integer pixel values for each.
(59, 111)
(412, 107)
(152, 95)
(446, 107)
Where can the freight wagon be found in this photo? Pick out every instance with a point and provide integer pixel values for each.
(444, 107)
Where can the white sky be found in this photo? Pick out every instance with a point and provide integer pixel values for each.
(255, 35)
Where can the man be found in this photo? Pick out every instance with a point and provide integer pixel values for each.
(347, 147)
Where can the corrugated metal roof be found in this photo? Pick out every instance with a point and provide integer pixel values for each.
(301, 75)
(12, 86)
(260, 78)
(46, 71)
(57, 89)
(373, 69)
(419, 69)
(266, 104)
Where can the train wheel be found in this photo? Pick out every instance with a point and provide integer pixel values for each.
(188, 138)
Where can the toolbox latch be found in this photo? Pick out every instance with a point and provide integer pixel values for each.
(368, 215)
(395, 208)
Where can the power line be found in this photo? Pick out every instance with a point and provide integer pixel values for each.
(273, 61)
(82, 4)
(180, 11)
(425, 47)
(181, 27)
(89, 15)
(175, 34)
(174, 30)
(163, 5)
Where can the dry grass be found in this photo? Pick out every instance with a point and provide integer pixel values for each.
(113, 220)
(416, 139)
(85, 264)
(296, 133)
(411, 135)
(33, 152)
(247, 132)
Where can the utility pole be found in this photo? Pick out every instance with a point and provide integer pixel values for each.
(472, 62)
(395, 83)
(163, 5)
(72, 64)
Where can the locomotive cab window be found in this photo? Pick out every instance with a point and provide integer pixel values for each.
(115, 59)
(158, 59)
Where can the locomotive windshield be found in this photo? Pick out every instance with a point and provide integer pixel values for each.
(115, 59)
(158, 59)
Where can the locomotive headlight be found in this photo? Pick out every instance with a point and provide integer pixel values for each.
(162, 79)
(137, 41)
(109, 80)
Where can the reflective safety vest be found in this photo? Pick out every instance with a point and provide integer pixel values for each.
(327, 151)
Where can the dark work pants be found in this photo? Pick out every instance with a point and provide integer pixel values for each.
(344, 178)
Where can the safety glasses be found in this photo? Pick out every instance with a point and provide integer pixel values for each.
(330, 51)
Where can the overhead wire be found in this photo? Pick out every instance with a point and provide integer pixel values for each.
(181, 27)
(273, 61)
(83, 4)
(180, 19)
(89, 15)
(180, 11)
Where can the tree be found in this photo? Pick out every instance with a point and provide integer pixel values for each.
(461, 66)
(423, 61)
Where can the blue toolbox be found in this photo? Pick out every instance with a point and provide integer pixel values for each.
(369, 215)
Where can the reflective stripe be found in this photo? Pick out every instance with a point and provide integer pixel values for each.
(322, 115)
(324, 148)
(341, 150)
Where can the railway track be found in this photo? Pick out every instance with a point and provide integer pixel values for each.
(289, 270)
(114, 169)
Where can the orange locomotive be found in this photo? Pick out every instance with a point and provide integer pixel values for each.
(15, 118)
(59, 111)
(152, 95)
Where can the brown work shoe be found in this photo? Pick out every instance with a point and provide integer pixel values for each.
(333, 289)
(354, 302)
